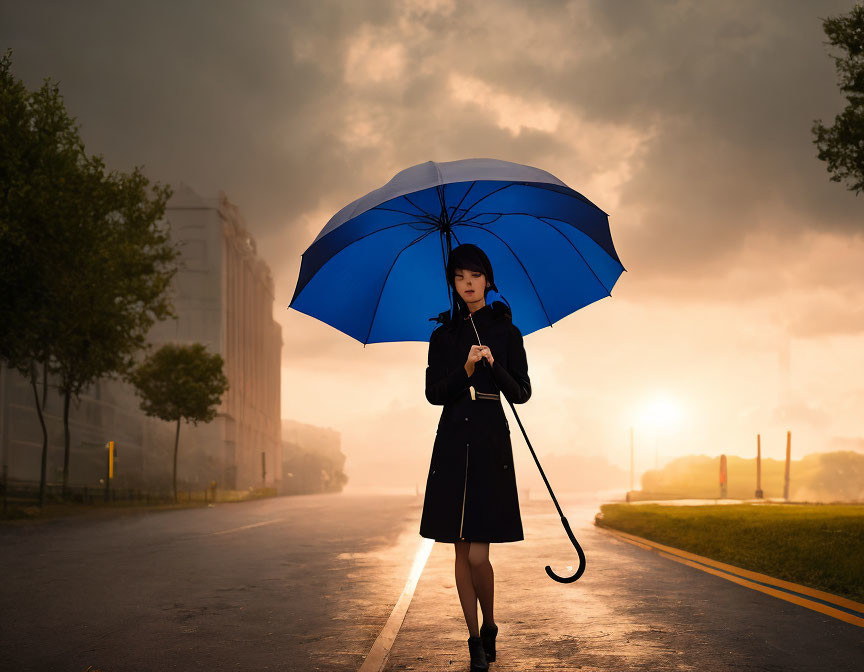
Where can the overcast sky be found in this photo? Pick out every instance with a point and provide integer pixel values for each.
(689, 122)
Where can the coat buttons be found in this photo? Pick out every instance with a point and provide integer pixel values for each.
(466, 419)
(505, 466)
(433, 471)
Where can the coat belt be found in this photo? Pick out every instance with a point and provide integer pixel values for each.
(475, 395)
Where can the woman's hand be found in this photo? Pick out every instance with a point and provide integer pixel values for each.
(477, 353)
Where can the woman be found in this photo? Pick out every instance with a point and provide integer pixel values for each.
(471, 499)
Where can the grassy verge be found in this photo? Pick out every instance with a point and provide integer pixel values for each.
(24, 514)
(821, 546)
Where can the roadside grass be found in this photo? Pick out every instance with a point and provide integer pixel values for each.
(32, 514)
(820, 546)
(24, 511)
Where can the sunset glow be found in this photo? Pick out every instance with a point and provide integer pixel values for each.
(740, 310)
(661, 413)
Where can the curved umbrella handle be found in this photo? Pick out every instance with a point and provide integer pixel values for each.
(569, 579)
(552, 575)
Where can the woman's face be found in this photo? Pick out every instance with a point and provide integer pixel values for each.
(471, 286)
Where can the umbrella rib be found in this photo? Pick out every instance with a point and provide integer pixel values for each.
(387, 277)
(422, 212)
(516, 256)
(527, 214)
(372, 233)
(491, 193)
(543, 219)
(578, 251)
(464, 196)
(366, 235)
(474, 218)
(571, 193)
(402, 212)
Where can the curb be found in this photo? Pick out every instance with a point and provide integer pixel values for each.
(835, 606)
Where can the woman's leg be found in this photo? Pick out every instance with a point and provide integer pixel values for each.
(465, 587)
(483, 578)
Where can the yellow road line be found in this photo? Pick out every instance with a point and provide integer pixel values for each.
(380, 651)
(749, 579)
(755, 576)
(247, 527)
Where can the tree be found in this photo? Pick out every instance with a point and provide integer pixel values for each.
(40, 159)
(180, 382)
(112, 282)
(842, 145)
(85, 262)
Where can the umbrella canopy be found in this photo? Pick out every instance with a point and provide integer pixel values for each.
(376, 271)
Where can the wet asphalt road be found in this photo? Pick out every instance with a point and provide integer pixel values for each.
(631, 610)
(307, 583)
(160, 591)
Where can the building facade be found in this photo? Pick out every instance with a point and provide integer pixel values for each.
(223, 296)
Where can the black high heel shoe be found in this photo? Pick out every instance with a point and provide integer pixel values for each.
(487, 636)
(478, 655)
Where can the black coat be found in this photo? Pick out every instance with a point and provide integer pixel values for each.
(471, 486)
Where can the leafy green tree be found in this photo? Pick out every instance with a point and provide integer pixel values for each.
(180, 382)
(842, 145)
(113, 282)
(85, 258)
(39, 163)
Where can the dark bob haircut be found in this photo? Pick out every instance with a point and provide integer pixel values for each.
(470, 258)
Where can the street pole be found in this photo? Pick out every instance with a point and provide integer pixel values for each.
(109, 471)
(788, 458)
(632, 467)
(758, 467)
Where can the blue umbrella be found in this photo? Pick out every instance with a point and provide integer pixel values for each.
(376, 271)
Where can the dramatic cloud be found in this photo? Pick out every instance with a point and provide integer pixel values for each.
(688, 121)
